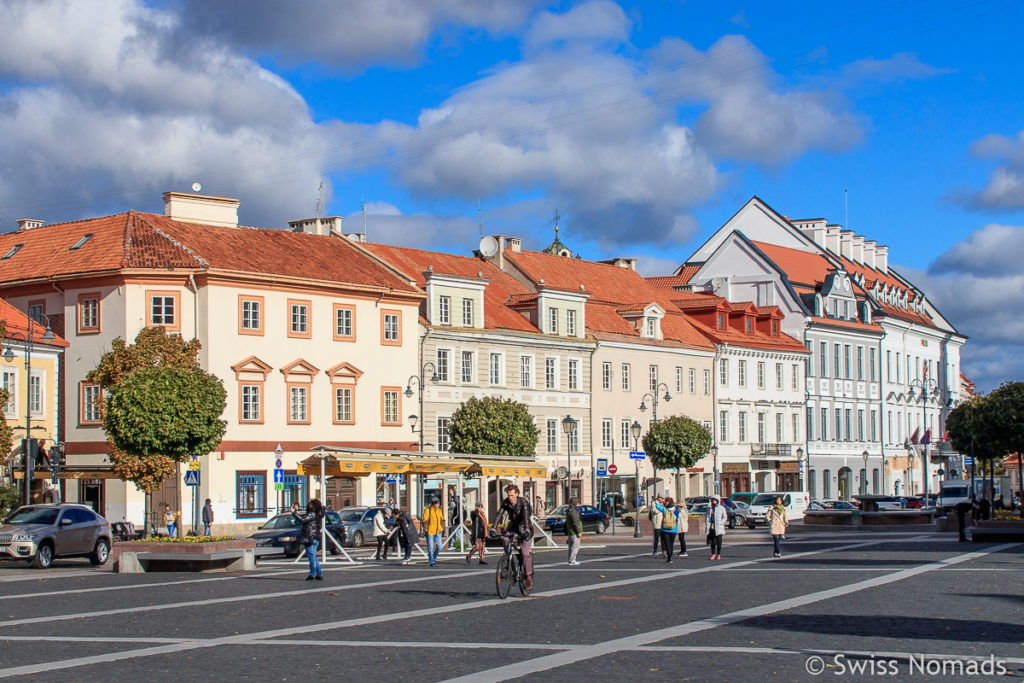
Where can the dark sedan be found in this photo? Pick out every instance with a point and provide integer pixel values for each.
(592, 518)
(284, 532)
(730, 507)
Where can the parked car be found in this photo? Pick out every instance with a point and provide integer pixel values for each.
(952, 494)
(358, 523)
(41, 533)
(891, 503)
(839, 505)
(592, 518)
(796, 503)
(743, 496)
(730, 506)
(741, 511)
(284, 532)
(816, 505)
(915, 502)
(629, 518)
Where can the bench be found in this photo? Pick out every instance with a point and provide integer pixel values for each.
(134, 562)
(980, 534)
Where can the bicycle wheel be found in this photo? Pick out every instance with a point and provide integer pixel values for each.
(521, 578)
(503, 576)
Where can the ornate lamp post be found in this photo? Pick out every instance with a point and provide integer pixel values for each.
(804, 478)
(26, 449)
(653, 395)
(864, 474)
(714, 457)
(419, 381)
(569, 427)
(635, 430)
(927, 387)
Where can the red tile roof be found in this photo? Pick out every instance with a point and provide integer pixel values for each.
(502, 289)
(15, 320)
(801, 267)
(673, 281)
(136, 240)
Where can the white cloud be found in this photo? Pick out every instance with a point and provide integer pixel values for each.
(1005, 187)
(600, 21)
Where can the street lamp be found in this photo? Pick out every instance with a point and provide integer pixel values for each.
(635, 430)
(864, 473)
(418, 379)
(806, 473)
(653, 395)
(569, 427)
(9, 357)
(714, 457)
(927, 387)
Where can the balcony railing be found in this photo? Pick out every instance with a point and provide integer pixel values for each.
(778, 450)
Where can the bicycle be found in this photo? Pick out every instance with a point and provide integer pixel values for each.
(509, 569)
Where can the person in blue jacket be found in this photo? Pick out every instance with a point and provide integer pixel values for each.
(669, 526)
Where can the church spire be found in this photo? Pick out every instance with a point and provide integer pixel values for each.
(557, 247)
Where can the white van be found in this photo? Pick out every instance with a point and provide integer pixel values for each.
(952, 494)
(795, 501)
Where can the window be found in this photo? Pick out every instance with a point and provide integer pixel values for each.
(780, 429)
(649, 327)
(343, 405)
(250, 314)
(875, 488)
(762, 428)
(811, 487)
(163, 309)
(553, 320)
(525, 371)
(444, 435)
(824, 359)
(796, 428)
(775, 328)
(838, 436)
(298, 404)
(693, 381)
(391, 322)
(848, 424)
(251, 489)
(898, 380)
(741, 433)
(467, 313)
(251, 408)
(574, 374)
(837, 367)
(723, 372)
(625, 376)
(298, 319)
(36, 311)
(860, 425)
(574, 437)
(810, 424)
(847, 367)
(88, 313)
(679, 380)
(760, 374)
(796, 376)
(570, 322)
(14, 250)
(888, 366)
(778, 376)
(652, 374)
(826, 483)
(606, 432)
(495, 366)
(707, 382)
(888, 425)
(444, 310)
(468, 367)
(344, 323)
(294, 488)
(606, 375)
(551, 373)
(860, 362)
(625, 434)
(89, 407)
(443, 358)
(749, 324)
(721, 321)
(723, 425)
(80, 242)
(741, 372)
(391, 406)
(824, 424)
(35, 394)
(874, 425)
(552, 435)
(10, 380)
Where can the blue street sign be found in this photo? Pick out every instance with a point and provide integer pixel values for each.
(968, 460)
(637, 455)
(278, 476)
(278, 464)
(192, 478)
(602, 467)
(393, 479)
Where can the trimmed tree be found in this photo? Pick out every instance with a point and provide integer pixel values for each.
(1004, 409)
(972, 420)
(676, 442)
(493, 426)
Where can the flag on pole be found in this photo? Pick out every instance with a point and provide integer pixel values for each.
(927, 438)
(915, 438)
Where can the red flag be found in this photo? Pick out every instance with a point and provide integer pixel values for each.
(915, 438)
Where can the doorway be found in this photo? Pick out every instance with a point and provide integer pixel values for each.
(845, 483)
(90, 492)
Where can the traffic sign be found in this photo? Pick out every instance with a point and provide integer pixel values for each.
(278, 476)
(278, 451)
(194, 465)
(637, 455)
(602, 467)
(278, 486)
(278, 464)
(393, 478)
(612, 469)
(192, 478)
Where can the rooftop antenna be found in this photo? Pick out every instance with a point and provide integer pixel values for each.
(320, 200)
(363, 202)
(480, 216)
(846, 210)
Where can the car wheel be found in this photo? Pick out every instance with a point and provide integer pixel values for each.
(100, 553)
(751, 526)
(357, 539)
(44, 557)
(601, 526)
(628, 521)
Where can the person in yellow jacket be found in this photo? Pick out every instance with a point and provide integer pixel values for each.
(433, 524)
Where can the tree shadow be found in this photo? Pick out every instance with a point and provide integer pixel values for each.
(876, 626)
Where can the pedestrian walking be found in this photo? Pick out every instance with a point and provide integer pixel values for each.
(208, 518)
(380, 531)
(715, 522)
(312, 525)
(669, 525)
(683, 522)
(574, 530)
(408, 536)
(963, 509)
(477, 532)
(654, 514)
(538, 507)
(170, 517)
(433, 522)
(777, 521)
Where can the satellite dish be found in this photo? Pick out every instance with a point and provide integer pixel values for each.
(562, 472)
(196, 187)
(488, 246)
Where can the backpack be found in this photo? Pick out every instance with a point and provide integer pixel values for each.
(669, 520)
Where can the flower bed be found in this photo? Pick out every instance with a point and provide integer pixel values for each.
(193, 544)
(186, 539)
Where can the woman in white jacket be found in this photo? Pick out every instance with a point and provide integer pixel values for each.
(380, 530)
(715, 522)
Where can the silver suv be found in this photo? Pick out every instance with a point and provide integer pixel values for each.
(40, 533)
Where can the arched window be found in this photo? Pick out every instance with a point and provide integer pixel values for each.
(826, 484)
(812, 488)
(876, 485)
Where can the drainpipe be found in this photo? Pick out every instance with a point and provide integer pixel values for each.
(881, 412)
(714, 418)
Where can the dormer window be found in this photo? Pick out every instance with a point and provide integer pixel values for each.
(749, 322)
(570, 322)
(444, 310)
(467, 313)
(553, 320)
(649, 327)
(721, 321)
(775, 328)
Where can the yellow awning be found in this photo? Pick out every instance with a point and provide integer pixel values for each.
(353, 467)
(495, 468)
(437, 466)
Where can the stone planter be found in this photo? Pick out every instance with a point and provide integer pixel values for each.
(178, 547)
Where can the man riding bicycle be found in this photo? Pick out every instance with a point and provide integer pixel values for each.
(519, 516)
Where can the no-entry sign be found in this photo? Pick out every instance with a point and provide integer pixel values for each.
(612, 469)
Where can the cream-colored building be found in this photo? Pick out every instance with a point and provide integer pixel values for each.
(313, 339)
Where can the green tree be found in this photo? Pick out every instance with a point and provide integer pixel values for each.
(676, 442)
(493, 426)
(1004, 410)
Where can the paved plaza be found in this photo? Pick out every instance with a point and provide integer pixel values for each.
(910, 606)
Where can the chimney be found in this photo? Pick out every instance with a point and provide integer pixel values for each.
(869, 253)
(882, 258)
(846, 243)
(621, 262)
(832, 238)
(318, 226)
(197, 208)
(515, 244)
(815, 230)
(28, 224)
(858, 249)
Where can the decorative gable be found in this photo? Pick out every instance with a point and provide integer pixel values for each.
(344, 373)
(252, 369)
(299, 371)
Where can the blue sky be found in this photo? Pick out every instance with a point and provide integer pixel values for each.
(646, 125)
